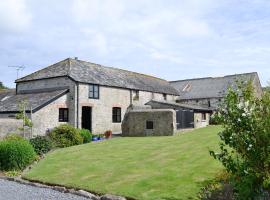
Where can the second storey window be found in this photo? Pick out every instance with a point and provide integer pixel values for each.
(93, 91)
(116, 115)
(63, 114)
(165, 97)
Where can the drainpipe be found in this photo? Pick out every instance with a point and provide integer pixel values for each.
(130, 94)
(77, 85)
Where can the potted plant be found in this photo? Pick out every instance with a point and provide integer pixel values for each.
(108, 134)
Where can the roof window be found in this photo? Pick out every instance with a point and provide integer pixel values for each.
(187, 88)
(5, 98)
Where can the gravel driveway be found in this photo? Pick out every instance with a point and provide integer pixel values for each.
(10, 190)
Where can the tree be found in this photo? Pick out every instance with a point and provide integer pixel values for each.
(2, 86)
(245, 141)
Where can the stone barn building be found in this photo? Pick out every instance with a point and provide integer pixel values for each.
(210, 91)
(83, 94)
(96, 97)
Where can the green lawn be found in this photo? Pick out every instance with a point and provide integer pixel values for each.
(170, 168)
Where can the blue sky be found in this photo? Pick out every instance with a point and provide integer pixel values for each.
(171, 39)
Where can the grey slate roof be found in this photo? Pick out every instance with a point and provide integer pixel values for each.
(209, 87)
(87, 72)
(9, 101)
(182, 105)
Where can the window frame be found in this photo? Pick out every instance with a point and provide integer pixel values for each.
(61, 115)
(116, 115)
(93, 91)
(151, 123)
(204, 117)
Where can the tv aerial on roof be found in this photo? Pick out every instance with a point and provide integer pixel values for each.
(18, 68)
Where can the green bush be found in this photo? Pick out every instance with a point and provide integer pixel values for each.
(65, 135)
(86, 135)
(15, 153)
(245, 141)
(41, 144)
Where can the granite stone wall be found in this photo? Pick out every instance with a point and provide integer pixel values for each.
(163, 121)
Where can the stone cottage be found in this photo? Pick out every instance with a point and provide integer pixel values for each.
(210, 91)
(84, 94)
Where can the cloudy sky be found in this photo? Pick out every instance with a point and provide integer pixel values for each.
(171, 39)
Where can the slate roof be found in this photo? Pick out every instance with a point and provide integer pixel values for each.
(9, 101)
(188, 106)
(209, 87)
(87, 72)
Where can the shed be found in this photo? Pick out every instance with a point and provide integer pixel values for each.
(187, 116)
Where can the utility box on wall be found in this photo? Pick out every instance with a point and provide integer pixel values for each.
(149, 122)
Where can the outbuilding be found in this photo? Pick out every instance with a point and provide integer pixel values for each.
(187, 116)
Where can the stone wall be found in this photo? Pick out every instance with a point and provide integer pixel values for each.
(9, 124)
(48, 117)
(101, 108)
(111, 97)
(164, 122)
(53, 83)
(199, 122)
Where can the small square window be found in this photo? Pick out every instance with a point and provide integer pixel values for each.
(63, 114)
(149, 125)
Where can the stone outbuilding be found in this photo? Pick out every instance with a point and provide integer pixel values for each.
(144, 121)
(187, 116)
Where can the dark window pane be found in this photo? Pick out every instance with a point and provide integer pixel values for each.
(93, 91)
(116, 115)
(149, 125)
(63, 114)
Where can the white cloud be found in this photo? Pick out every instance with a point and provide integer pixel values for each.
(14, 16)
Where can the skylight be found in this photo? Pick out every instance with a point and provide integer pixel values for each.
(187, 88)
(5, 98)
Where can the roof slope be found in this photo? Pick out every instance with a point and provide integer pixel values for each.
(9, 101)
(87, 72)
(209, 87)
(188, 106)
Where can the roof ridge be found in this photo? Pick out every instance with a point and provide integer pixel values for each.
(217, 77)
(116, 68)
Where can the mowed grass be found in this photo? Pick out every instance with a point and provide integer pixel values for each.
(170, 168)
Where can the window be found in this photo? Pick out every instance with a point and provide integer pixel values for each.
(187, 88)
(116, 115)
(63, 114)
(209, 103)
(93, 91)
(165, 96)
(149, 125)
(203, 116)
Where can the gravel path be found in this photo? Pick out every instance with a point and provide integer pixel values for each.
(10, 190)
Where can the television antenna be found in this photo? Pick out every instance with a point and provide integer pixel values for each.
(18, 68)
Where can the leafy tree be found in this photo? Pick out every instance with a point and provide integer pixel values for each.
(245, 141)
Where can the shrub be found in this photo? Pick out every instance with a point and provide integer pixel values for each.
(15, 153)
(65, 135)
(41, 144)
(86, 135)
(245, 140)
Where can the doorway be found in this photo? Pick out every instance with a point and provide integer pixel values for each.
(87, 118)
(184, 118)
